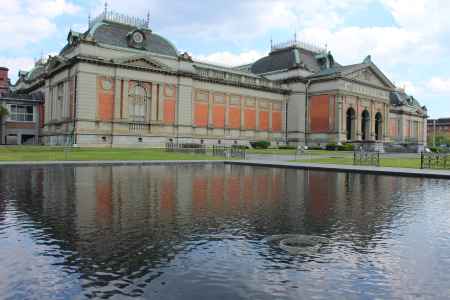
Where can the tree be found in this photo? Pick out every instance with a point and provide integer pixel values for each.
(3, 112)
(439, 139)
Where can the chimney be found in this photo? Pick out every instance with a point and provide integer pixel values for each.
(4, 82)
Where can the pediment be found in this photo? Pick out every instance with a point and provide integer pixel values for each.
(370, 75)
(143, 62)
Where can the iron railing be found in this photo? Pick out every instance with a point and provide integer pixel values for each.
(186, 148)
(434, 160)
(229, 151)
(366, 158)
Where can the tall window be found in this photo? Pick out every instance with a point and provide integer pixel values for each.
(139, 97)
(21, 113)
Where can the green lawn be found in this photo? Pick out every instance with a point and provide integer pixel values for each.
(289, 151)
(413, 163)
(37, 153)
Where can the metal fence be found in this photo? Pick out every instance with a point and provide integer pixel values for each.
(229, 151)
(366, 158)
(435, 160)
(186, 148)
(217, 150)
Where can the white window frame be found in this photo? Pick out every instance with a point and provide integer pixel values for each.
(12, 114)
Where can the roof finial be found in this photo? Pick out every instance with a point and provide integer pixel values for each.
(89, 20)
(148, 19)
(295, 36)
(271, 44)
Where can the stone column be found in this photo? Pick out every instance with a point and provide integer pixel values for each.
(117, 98)
(210, 109)
(227, 107)
(358, 120)
(160, 99)
(154, 104)
(257, 113)
(242, 112)
(338, 117)
(270, 116)
(125, 99)
(372, 121)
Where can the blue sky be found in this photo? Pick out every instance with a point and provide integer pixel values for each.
(408, 39)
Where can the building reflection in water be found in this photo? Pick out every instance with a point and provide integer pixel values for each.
(132, 221)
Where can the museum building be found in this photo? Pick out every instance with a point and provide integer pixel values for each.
(121, 84)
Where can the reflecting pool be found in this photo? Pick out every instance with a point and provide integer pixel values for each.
(207, 232)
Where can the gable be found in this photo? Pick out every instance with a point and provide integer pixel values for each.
(143, 62)
(368, 75)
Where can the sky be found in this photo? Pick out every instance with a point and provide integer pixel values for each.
(409, 40)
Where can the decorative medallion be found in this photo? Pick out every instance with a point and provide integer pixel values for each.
(106, 84)
(138, 37)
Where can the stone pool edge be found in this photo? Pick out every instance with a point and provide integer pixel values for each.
(440, 174)
(404, 172)
(106, 163)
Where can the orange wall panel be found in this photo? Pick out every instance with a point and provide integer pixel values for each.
(105, 107)
(234, 117)
(169, 111)
(319, 108)
(276, 121)
(201, 114)
(393, 128)
(218, 116)
(105, 99)
(250, 119)
(264, 120)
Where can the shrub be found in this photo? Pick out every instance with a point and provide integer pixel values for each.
(331, 147)
(191, 145)
(287, 147)
(241, 147)
(346, 147)
(260, 144)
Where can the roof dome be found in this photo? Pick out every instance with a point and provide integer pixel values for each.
(118, 35)
(285, 57)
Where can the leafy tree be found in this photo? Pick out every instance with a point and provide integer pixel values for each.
(441, 139)
(3, 112)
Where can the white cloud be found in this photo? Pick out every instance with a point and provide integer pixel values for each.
(16, 64)
(24, 22)
(230, 59)
(439, 85)
(239, 20)
(410, 88)
(50, 8)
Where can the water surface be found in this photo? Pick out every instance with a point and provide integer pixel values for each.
(200, 232)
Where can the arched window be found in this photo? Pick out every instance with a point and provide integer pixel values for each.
(378, 126)
(138, 100)
(365, 125)
(350, 124)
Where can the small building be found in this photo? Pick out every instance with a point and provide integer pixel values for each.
(437, 127)
(22, 123)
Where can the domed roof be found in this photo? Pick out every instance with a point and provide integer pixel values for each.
(119, 34)
(285, 59)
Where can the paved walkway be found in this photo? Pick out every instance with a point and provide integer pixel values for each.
(445, 174)
(277, 161)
